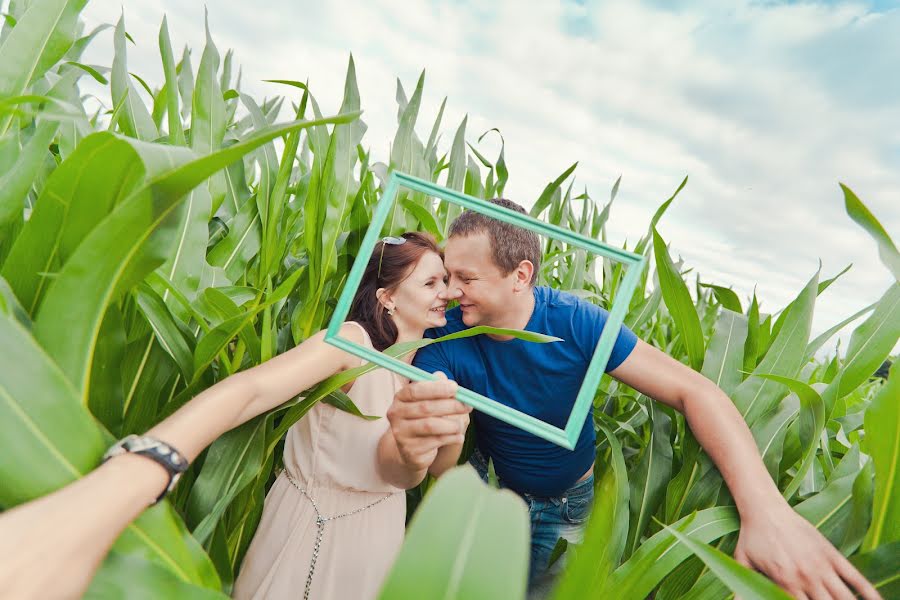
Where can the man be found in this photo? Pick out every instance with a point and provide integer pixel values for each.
(492, 270)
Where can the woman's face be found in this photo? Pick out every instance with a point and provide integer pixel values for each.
(420, 300)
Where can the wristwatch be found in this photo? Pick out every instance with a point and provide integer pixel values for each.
(162, 453)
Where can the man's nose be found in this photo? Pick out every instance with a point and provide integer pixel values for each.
(452, 292)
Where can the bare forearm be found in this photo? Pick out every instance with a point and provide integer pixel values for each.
(39, 561)
(392, 466)
(723, 433)
(211, 413)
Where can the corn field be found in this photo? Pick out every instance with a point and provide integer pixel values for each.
(157, 239)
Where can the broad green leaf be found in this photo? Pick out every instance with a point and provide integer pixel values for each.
(167, 332)
(20, 177)
(887, 251)
(870, 344)
(466, 541)
(769, 433)
(342, 401)
(815, 345)
(48, 439)
(642, 244)
(40, 38)
(208, 107)
(123, 250)
(748, 584)
(607, 531)
(725, 354)
(127, 576)
(662, 553)
(881, 568)
(176, 131)
(882, 443)
(812, 421)
(678, 300)
(649, 479)
(751, 346)
(81, 192)
(456, 174)
(546, 197)
(726, 297)
(242, 243)
(756, 395)
(134, 119)
(231, 463)
(106, 396)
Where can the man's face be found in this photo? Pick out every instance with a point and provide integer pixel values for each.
(483, 292)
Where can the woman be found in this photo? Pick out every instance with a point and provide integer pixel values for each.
(334, 519)
(51, 546)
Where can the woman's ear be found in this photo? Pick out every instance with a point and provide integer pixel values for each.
(384, 298)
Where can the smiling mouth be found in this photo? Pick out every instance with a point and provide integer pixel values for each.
(438, 309)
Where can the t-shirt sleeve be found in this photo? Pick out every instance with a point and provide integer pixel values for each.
(589, 320)
(433, 358)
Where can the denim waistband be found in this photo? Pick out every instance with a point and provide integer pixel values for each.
(480, 463)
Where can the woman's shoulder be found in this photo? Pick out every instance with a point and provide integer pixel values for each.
(356, 333)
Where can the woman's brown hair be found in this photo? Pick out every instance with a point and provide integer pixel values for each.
(389, 265)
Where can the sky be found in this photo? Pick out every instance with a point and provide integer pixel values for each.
(765, 106)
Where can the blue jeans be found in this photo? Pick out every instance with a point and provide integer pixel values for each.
(551, 518)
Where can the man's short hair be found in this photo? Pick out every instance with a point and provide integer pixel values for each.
(510, 244)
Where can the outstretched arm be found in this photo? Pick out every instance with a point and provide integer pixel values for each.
(773, 539)
(51, 546)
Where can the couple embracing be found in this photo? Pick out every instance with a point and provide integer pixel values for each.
(334, 519)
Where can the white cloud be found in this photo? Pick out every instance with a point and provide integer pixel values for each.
(764, 106)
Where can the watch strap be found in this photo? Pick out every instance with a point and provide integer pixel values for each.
(156, 450)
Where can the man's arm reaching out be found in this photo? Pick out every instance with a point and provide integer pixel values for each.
(773, 538)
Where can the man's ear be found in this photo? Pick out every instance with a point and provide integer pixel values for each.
(523, 274)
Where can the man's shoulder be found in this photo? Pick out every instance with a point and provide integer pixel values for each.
(554, 299)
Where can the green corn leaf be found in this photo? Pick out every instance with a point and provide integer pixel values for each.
(42, 35)
(466, 540)
(663, 552)
(870, 344)
(725, 354)
(882, 443)
(812, 422)
(81, 192)
(134, 120)
(127, 576)
(546, 197)
(678, 300)
(649, 480)
(741, 580)
(887, 251)
(176, 131)
(880, 567)
(121, 252)
(726, 297)
(756, 396)
(606, 533)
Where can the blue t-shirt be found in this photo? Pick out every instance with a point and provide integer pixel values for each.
(541, 380)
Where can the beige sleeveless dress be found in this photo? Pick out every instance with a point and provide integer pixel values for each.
(331, 456)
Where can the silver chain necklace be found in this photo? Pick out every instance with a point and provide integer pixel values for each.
(320, 528)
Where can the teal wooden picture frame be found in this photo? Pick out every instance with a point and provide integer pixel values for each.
(565, 437)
